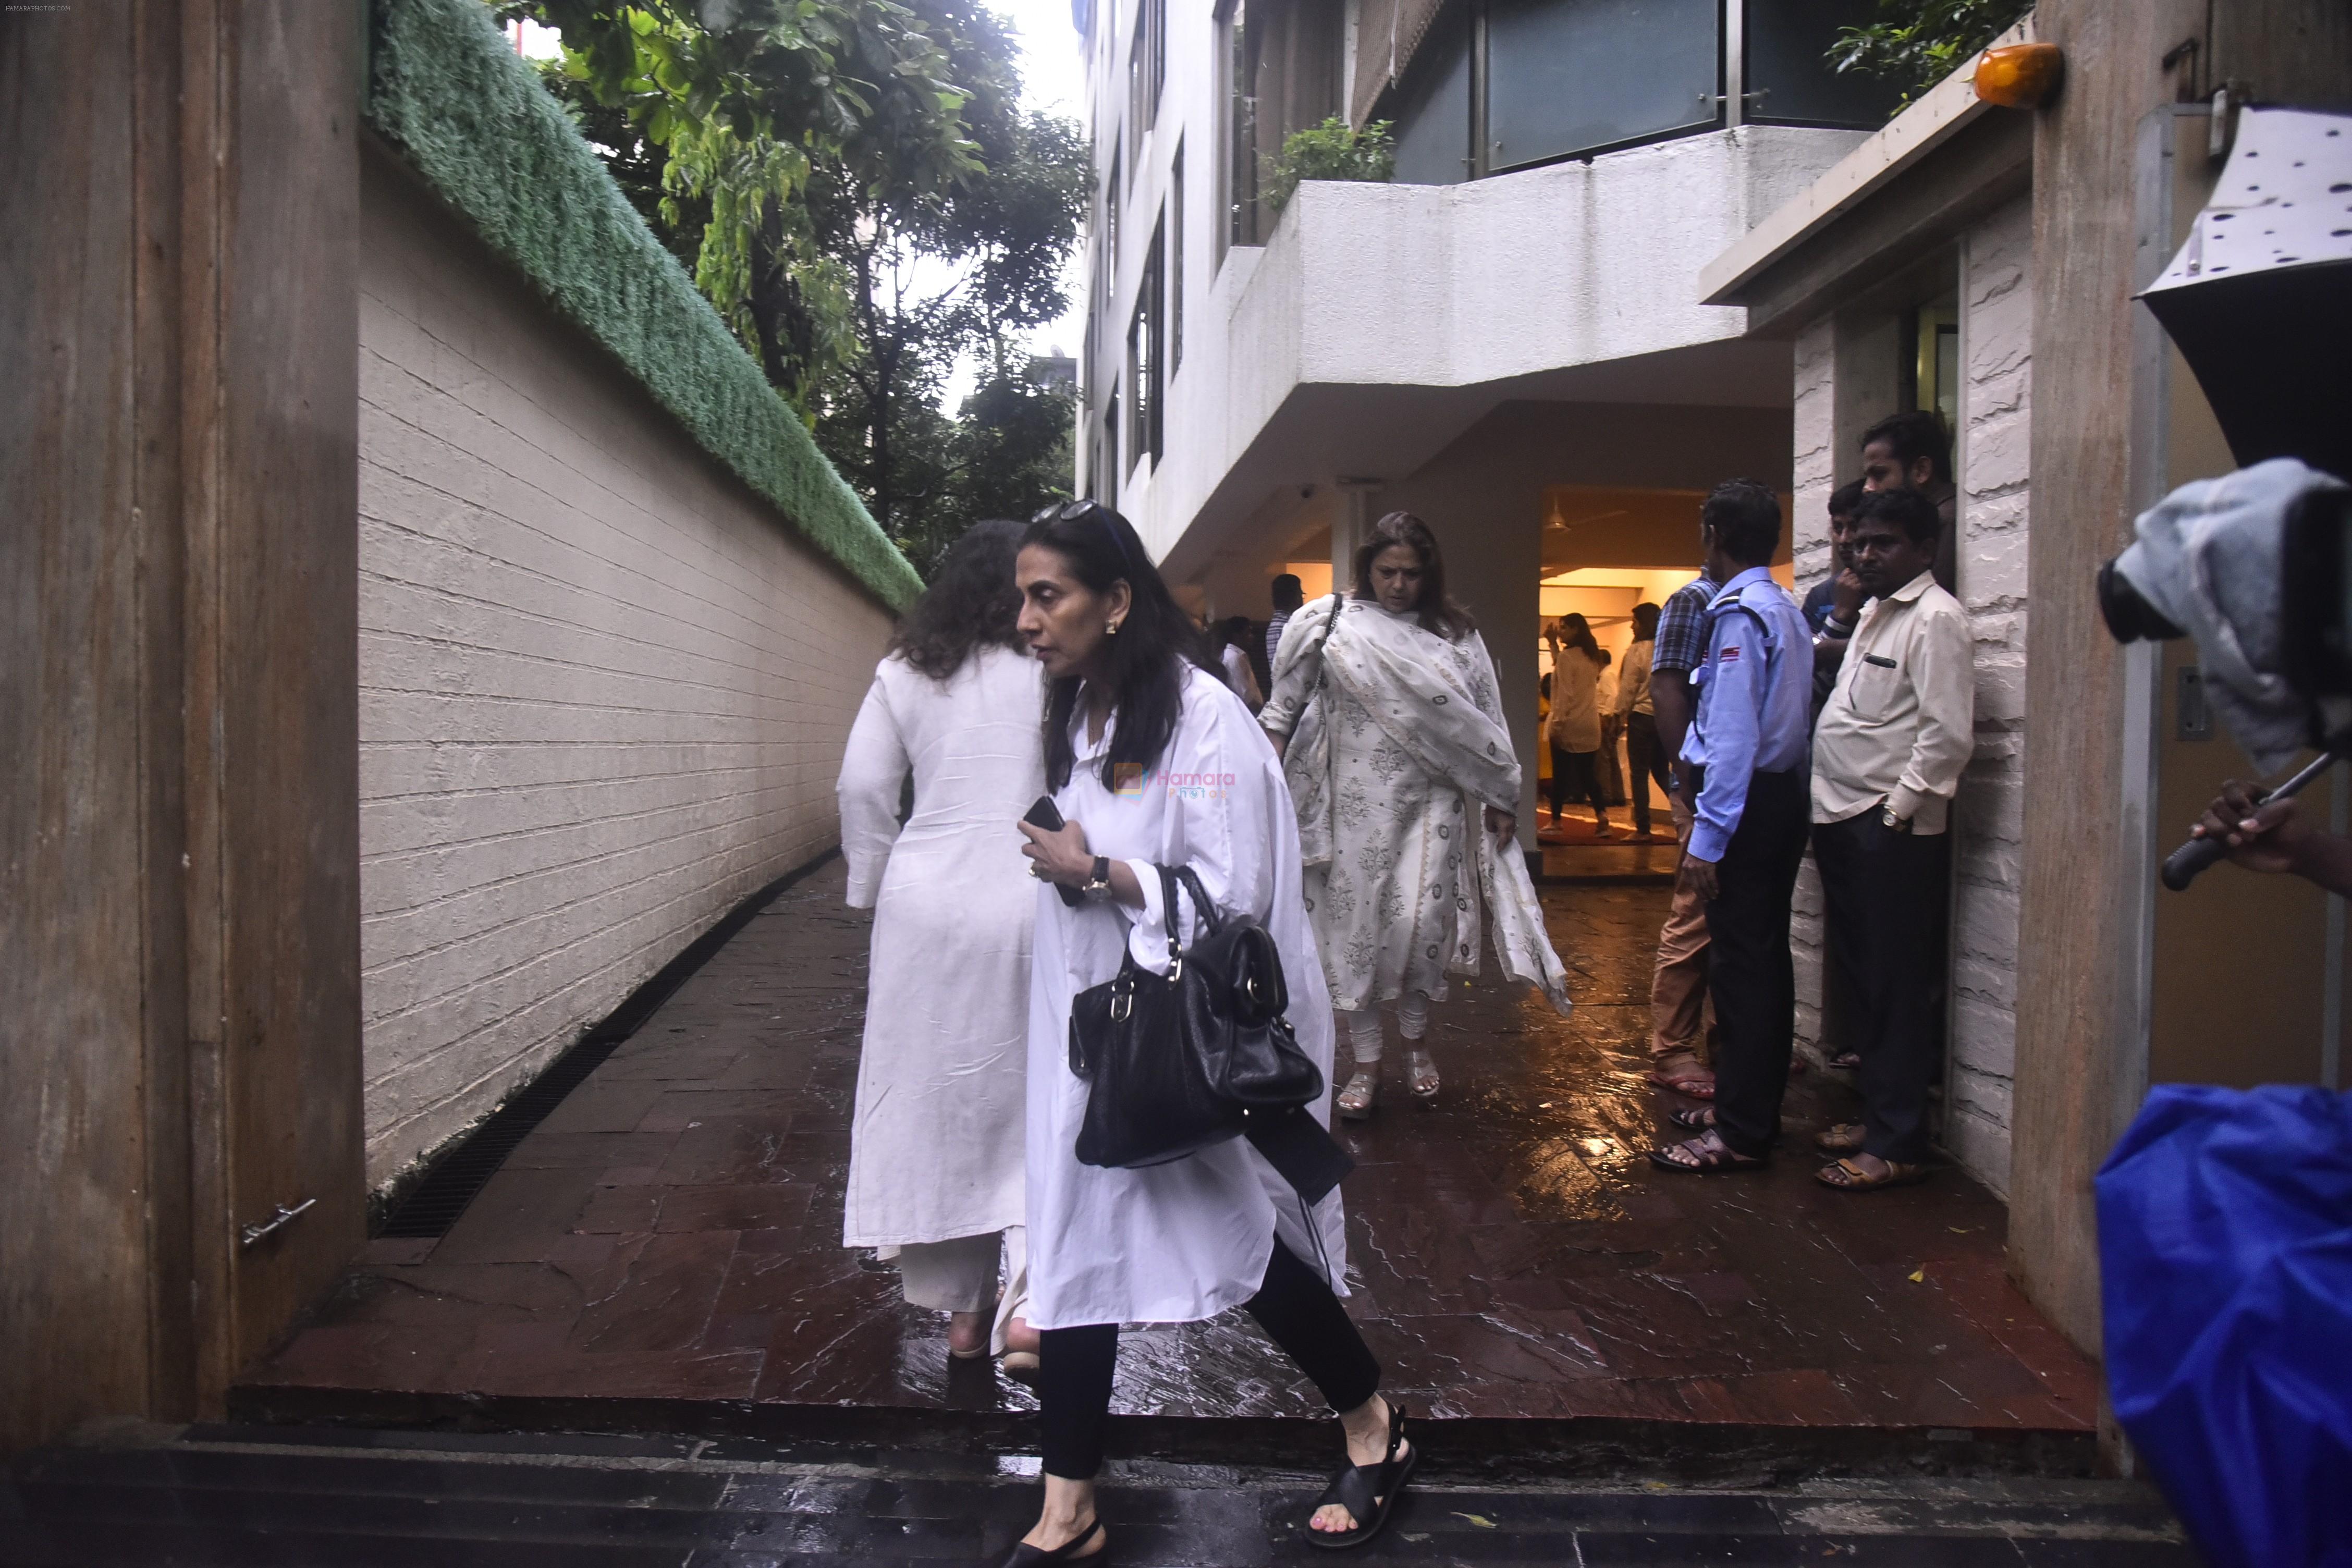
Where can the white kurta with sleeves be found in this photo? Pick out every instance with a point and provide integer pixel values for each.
(1184, 1241)
(936, 1148)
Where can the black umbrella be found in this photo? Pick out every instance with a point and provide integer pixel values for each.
(2260, 297)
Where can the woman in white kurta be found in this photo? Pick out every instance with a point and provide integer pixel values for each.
(1574, 730)
(936, 1152)
(1153, 761)
(1401, 765)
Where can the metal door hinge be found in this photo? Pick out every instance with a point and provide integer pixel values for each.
(253, 1235)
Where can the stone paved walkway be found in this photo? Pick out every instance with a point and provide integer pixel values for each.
(670, 1234)
(238, 1497)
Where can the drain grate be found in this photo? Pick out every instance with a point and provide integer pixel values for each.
(441, 1194)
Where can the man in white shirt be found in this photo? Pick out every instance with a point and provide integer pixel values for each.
(1637, 717)
(1288, 594)
(1888, 752)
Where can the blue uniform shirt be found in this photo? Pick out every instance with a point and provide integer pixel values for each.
(1755, 701)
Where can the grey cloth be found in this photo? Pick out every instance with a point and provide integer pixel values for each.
(958, 1276)
(2207, 559)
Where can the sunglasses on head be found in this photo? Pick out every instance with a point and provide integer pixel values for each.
(1079, 511)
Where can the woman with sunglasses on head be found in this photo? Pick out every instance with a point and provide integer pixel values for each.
(936, 1154)
(1385, 705)
(1154, 762)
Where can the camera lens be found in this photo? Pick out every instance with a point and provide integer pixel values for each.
(2129, 617)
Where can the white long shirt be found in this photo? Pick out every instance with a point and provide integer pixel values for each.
(1184, 1241)
(1900, 724)
(936, 1146)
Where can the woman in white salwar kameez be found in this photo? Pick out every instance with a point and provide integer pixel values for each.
(1154, 762)
(936, 1154)
(1387, 709)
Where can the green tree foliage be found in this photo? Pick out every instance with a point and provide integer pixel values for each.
(1013, 453)
(1331, 151)
(1918, 43)
(862, 199)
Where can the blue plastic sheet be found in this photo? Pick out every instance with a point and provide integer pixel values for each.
(2225, 1233)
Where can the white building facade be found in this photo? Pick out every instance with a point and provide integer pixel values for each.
(1507, 339)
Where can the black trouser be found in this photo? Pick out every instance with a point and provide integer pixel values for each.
(1886, 894)
(1576, 776)
(1646, 760)
(1750, 976)
(1294, 1305)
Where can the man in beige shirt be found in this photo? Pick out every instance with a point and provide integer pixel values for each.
(1889, 752)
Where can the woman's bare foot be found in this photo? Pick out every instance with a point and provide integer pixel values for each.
(1068, 1515)
(1020, 1336)
(1367, 1429)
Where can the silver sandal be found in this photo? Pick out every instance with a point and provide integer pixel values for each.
(1356, 1100)
(1422, 1069)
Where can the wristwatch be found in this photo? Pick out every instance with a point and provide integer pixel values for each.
(1099, 883)
(1895, 823)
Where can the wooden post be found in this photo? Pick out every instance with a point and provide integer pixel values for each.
(179, 973)
(2082, 974)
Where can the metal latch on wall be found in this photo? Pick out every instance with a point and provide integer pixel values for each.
(255, 1234)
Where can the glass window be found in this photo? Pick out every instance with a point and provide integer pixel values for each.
(1241, 129)
(1107, 479)
(1176, 261)
(1433, 106)
(1790, 82)
(1576, 76)
(1147, 71)
(1145, 376)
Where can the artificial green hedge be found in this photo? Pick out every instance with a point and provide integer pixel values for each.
(449, 91)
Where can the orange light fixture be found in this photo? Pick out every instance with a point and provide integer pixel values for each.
(2019, 76)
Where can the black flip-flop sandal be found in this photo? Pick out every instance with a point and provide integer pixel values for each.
(1699, 1119)
(1354, 1486)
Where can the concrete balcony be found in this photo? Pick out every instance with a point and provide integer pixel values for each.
(1381, 321)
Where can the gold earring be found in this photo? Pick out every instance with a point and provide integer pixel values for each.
(1111, 630)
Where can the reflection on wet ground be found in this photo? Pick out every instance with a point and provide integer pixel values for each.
(672, 1232)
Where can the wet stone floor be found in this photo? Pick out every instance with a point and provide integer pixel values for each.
(671, 1232)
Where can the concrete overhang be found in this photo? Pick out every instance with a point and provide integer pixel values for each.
(1384, 433)
(1381, 321)
(1905, 191)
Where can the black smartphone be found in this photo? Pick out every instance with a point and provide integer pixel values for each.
(1048, 815)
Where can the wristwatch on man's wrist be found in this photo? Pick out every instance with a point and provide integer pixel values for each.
(1898, 823)
(1099, 882)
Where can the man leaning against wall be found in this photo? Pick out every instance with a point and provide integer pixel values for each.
(1889, 752)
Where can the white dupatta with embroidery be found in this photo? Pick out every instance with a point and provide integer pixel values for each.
(1397, 851)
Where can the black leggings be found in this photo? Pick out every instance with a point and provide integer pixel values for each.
(1295, 1306)
(1576, 776)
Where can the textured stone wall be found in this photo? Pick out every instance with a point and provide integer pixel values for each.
(1990, 467)
(603, 688)
(1996, 350)
(1817, 447)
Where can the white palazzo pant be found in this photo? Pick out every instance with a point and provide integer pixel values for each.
(1364, 1026)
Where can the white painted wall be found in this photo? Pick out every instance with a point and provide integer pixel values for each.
(604, 688)
(1996, 290)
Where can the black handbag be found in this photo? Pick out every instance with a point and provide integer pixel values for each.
(1184, 1061)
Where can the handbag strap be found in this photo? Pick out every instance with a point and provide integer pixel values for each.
(1211, 921)
(1171, 879)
